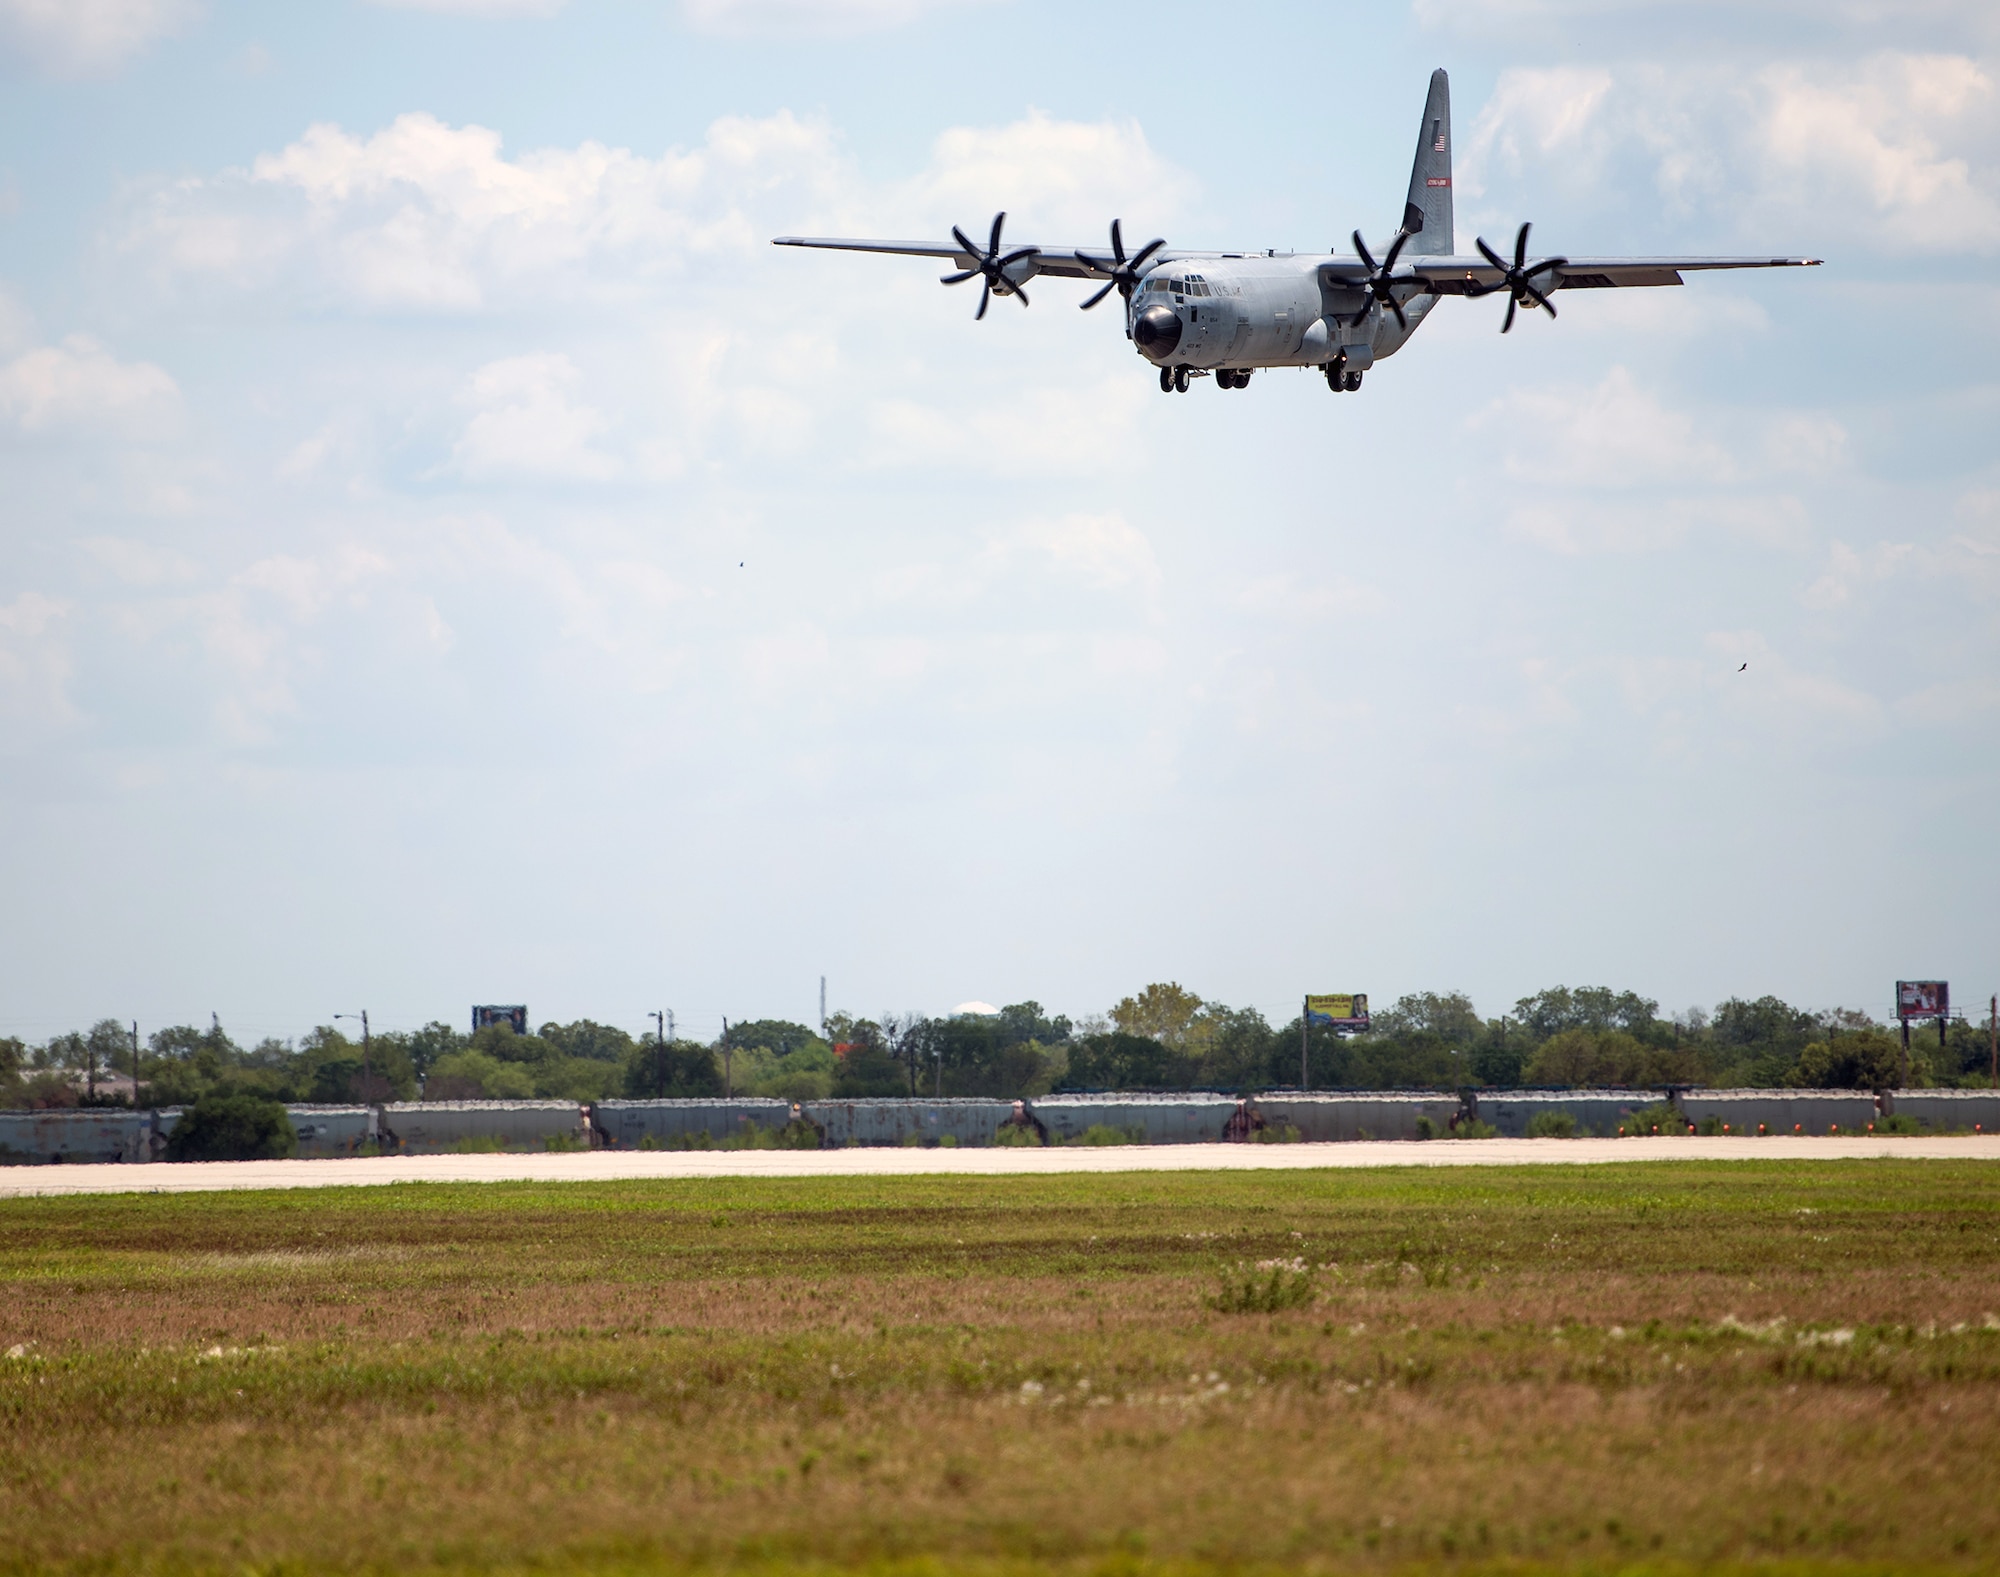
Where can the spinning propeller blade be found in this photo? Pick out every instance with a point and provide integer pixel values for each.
(990, 266)
(1124, 272)
(1378, 282)
(1518, 279)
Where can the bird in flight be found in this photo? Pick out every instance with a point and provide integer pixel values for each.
(1744, 668)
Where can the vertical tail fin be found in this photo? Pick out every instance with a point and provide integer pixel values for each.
(1427, 214)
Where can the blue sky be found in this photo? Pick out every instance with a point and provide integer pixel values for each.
(446, 555)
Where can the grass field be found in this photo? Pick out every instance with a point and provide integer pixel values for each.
(1791, 1366)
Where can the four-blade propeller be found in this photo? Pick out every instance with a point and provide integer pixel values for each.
(1519, 280)
(1378, 281)
(1124, 274)
(991, 265)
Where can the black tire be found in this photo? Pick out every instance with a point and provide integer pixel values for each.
(1166, 380)
(1353, 381)
(1180, 380)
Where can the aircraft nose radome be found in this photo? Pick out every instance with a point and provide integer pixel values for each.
(1156, 331)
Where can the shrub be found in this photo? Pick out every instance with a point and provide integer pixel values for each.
(1473, 1128)
(1265, 1288)
(1278, 1133)
(1018, 1134)
(1426, 1129)
(1661, 1118)
(233, 1128)
(1552, 1125)
(1105, 1133)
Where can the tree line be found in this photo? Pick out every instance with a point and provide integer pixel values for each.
(1162, 1038)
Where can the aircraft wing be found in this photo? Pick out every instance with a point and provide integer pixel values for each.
(1450, 276)
(1061, 260)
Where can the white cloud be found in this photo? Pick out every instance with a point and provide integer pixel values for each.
(1614, 435)
(528, 424)
(17, 324)
(35, 661)
(808, 18)
(424, 216)
(138, 563)
(1896, 148)
(80, 388)
(477, 8)
(1106, 552)
(1071, 176)
(74, 38)
(1041, 430)
(429, 217)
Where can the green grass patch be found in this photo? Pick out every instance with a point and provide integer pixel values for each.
(1779, 1366)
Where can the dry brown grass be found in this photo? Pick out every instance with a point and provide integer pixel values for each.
(1640, 1366)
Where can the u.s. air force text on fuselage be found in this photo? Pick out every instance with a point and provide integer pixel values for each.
(1225, 314)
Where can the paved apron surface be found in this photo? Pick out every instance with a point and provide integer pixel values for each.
(611, 1165)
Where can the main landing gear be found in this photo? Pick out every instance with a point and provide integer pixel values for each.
(1339, 379)
(1174, 380)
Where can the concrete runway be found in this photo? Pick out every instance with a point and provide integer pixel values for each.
(599, 1166)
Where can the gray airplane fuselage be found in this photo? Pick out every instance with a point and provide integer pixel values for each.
(1269, 311)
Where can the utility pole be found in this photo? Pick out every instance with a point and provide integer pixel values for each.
(135, 1062)
(660, 1055)
(728, 1065)
(367, 1049)
(822, 1007)
(1993, 1038)
(1305, 1043)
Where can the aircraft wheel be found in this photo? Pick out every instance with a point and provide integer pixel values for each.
(1243, 377)
(1180, 380)
(1353, 381)
(1166, 380)
(1225, 378)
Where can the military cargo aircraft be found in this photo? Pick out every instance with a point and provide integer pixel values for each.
(1226, 314)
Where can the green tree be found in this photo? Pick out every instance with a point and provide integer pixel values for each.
(1120, 1060)
(1166, 1012)
(681, 1070)
(867, 1069)
(476, 1075)
(589, 1040)
(1610, 1057)
(1863, 1060)
(233, 1127)
(1596, 1008)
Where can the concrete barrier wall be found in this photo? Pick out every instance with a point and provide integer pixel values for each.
(965, 1121)
(1783, 1111)
(91, 1133)
(627, 1125)
(326, 1131)
(1964, 1109)
(432, 1127)
(1151, 1119)
(1362, 1114)
(1595, 1112)
(419, 1127)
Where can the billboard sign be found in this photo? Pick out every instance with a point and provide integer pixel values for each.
(1923, 999)
(1338, 1010)
(487, 1017)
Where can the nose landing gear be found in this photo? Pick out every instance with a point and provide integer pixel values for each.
(1174, 380)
